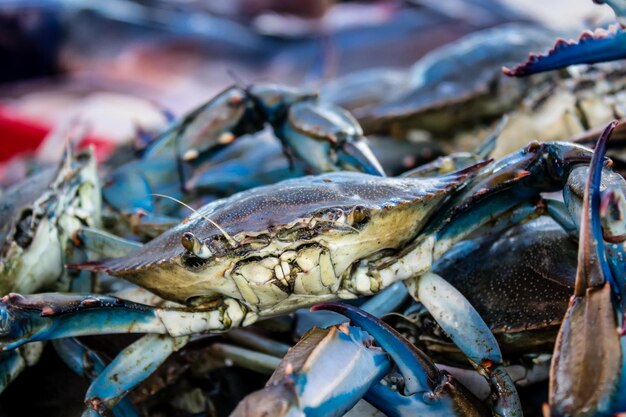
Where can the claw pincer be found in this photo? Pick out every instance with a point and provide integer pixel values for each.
(331, 369)
(425, 390)
(588, 368)
(325, 374)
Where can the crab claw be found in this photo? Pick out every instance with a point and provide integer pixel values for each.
(587, 376)
(591, 47)
(357, 156)
(325, 374)
(25, 319)
(427, 390)
(511, 181)
(328, 138)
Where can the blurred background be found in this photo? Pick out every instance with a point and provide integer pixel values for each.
(117, 66)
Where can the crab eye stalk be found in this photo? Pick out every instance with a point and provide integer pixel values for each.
(192, 244)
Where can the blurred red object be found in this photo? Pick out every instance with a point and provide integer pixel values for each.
(19, 135)
(22, 135)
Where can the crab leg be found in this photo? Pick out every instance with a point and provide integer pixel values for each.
(559, 212)
(105, 244)
(14, 362)
(257, 342)
(245, 358)
(427, 390)
(87, 363)
(11, 365)
(384, 302)
(468, 331)
(52, 316)
(131, 366)
(592, 47)
(138, 361)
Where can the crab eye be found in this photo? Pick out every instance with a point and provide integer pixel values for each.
(359, 215)
(188, 240)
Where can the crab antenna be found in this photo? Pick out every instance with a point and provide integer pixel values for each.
(231, 240)
(238, 80)
(69, 134)
(68, 149)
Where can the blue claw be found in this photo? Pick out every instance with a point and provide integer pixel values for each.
(588, 347)
(325, 374)
(592, 47)
(394, 404)
(49, 316)
(592, 210)
(427, 390)
(418, 378)
(507, 189)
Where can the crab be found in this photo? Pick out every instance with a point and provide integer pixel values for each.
(39, 217)
(448, 88)
(452, 112)
(589, 345)
(322, 136)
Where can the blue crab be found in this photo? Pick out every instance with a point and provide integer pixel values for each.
(39, 218)
(448, 88)
(273, 249)
(440, 105)
(322, 136)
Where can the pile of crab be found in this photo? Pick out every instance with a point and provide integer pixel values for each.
(493, 268)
